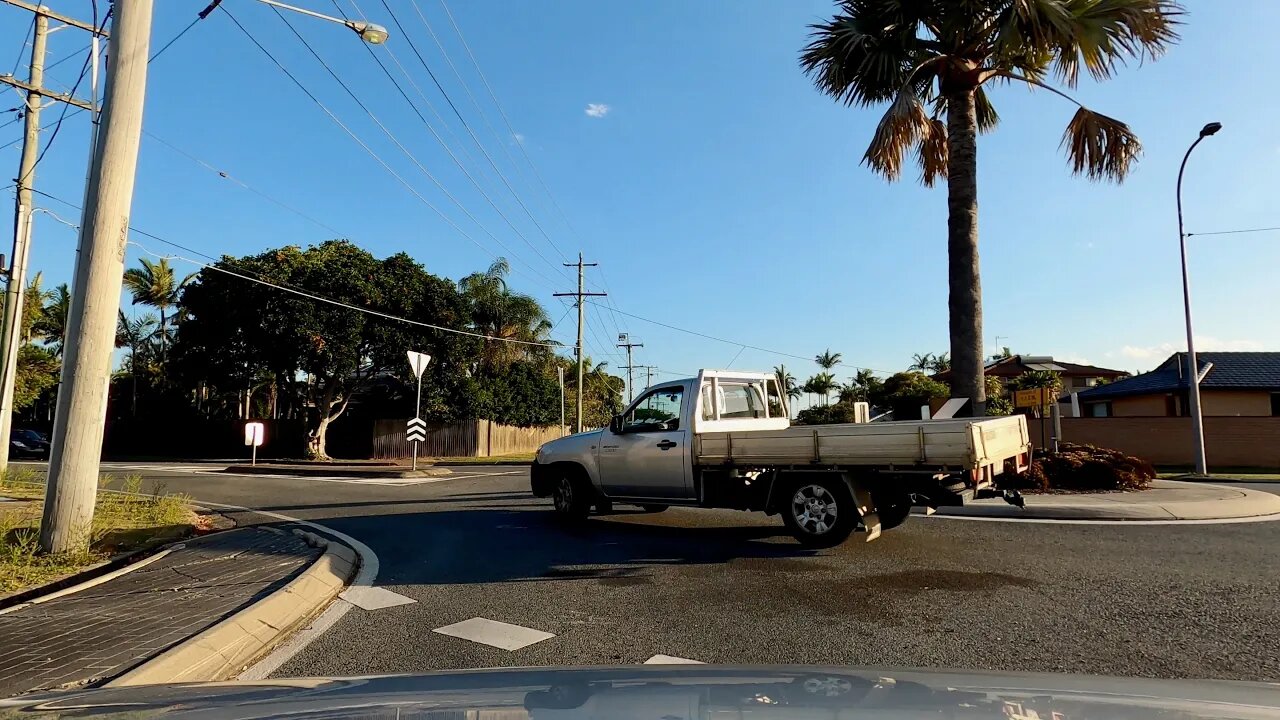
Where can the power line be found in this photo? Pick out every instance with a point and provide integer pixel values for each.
(228, 176)
(408, 39)
(1236, 232)
(445, 145)
(399, 144)
(199, 16)
(356, 137)
(484, 118)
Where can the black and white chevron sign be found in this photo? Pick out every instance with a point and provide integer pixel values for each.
(417, 430)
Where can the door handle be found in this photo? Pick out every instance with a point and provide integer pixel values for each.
(666, 444)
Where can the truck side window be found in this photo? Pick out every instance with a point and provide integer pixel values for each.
(740, 401)
(657, 411)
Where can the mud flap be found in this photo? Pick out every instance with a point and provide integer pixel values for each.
(866, 508)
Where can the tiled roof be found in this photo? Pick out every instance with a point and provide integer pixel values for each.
(1241, 370)
(1015, 365)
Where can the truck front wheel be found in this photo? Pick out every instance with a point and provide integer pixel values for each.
(570, 496)
(820, 511)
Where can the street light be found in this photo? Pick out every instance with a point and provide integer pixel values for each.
(371, 33)
(1193, 368)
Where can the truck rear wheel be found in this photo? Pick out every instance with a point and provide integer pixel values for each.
(893, 509)
(570, 496)
(820, 511)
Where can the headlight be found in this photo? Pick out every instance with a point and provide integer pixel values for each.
(19, 444)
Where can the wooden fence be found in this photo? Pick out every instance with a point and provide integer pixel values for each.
(475, 438)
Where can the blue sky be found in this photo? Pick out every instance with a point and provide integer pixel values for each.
(716, 188)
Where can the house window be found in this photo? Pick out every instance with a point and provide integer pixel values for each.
(1275, 404)
(1102, 409)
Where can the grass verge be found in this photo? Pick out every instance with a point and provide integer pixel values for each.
(495, 460)
(124, 520)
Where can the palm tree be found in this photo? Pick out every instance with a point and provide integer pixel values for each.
(51, 326)
(828, 359)
(137, 335)
(498, 312)
(155, 284)
(921, 361)
(787, 383)
(930, 59)
(822, 384)
(33, 301)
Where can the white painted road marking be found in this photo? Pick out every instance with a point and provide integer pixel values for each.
(374, 598)
(1127, 523)
(494, 633)
(671, 660)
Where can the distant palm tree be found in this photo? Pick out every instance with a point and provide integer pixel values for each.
(33, 301)
(787, 383)
(828, 359)
(138, 336)
(930, 59)
(822, 384)
(51, 327)
(154, 284)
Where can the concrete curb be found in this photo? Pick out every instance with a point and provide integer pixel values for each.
(222, 651)
(1236, 503)
(309, 471)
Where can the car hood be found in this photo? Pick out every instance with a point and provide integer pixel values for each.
(676, 692)
(571, 447)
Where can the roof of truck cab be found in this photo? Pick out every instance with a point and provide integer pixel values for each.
(739, 374)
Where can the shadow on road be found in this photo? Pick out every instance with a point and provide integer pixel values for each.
(504, 545)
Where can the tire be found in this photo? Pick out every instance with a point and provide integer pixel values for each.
(819, 511)
(893, 508)
(654, 508)
(604, 507)
(571, 496)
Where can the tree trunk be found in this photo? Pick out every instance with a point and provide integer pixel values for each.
(964, 302)
(164, 342)
(316, 439)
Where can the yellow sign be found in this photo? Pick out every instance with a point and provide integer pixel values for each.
(1035, 397)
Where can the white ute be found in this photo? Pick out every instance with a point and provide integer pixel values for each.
(724, 440)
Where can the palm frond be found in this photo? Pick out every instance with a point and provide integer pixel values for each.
(899, 129)
(932, 153)
(1100, 147)
(864, 54)
(1103, 33)
(988, 118)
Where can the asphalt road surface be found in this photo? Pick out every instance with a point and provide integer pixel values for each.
(1196, 600)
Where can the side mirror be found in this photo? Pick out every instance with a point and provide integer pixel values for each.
(615, 424)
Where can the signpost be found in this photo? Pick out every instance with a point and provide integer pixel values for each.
(560, 370)
(1039, 398)
(254, 435)
(417, 428)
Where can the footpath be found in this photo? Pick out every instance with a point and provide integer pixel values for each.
(1166, 500)
(200, 606)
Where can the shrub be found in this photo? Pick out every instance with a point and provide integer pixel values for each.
(1085, 468)
(826, 414)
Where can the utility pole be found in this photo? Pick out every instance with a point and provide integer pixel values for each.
(104, 230)
(24, 215)
(648, 375)
(22, 222)
(624, 340)
(581, 324)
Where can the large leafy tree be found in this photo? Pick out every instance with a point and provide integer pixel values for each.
(933, 61)
(155, 284)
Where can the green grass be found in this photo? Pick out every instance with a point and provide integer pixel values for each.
(125, 519)
(495, 460)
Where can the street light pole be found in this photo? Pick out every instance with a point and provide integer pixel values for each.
(1193, 367)
(369, 32)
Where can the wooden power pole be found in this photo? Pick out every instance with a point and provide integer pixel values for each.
(580, 295)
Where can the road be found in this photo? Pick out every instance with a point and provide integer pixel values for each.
(721, 586)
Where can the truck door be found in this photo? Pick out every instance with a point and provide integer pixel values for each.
(648, 456)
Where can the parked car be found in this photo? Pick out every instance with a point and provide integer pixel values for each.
(29, 444)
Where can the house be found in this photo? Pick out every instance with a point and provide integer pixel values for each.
(1075, 377)
(1234, 384)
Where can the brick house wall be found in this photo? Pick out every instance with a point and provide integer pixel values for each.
(1252, 442)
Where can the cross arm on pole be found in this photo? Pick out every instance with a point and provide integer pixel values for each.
(67, 98)
(45, 11)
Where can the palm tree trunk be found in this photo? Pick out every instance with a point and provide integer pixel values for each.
(164, 340)
(965, 300)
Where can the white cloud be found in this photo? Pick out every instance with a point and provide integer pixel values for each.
(597, 110)
(518, 138)
(1204, 343)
